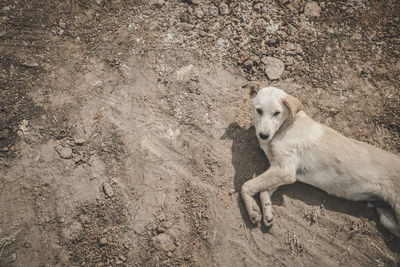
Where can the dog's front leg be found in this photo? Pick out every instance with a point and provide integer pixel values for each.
(266, 205)
(269, 180)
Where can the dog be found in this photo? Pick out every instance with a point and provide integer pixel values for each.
(301, 149)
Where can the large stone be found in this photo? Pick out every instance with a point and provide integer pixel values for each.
(163, 242)
(273, 67)
(312, 9)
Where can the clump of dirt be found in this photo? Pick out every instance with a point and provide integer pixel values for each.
(125, 136)
(98, 235)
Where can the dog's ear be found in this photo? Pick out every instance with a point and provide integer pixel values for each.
(293, 104)
(253, 87)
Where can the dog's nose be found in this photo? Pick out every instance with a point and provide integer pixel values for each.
(263, 136)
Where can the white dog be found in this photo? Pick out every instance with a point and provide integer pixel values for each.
(299, 148)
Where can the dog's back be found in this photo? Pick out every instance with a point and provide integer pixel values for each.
(343, 166)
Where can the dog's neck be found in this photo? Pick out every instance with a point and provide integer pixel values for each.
(285, 126)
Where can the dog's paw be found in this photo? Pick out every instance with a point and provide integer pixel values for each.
(268, 217)
(255, 215)
(268, 221)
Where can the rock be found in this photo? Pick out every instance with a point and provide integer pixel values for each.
(163, 242)
(223, 9)
(108, 190)
(23, 128)
(168, 224)
(289, 61)
(152, 25)
(248, 64)
(290, 46)
(222, 42)
(356, 36)
(84, 219)
(258, 7)
(122, 257)
(103, 241)
(157, 3)
(196, 2)
(4, 133)
(64, 152)
(78, 157)
(187, 26)
(160, 229)
(213, 11)
(61, 134)
(79, 141)
(31, 63)
(199, 13)
(273, 67)
(312, 9)
(292, 29)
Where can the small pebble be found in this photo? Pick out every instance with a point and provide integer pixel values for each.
(312, 9)
(5, 133)
(79, 141)
(199, 13)
(163, 242)
(31, 63)
(224, 9)
(187, 26)
(108, 190)
(103, 241)
(213, 11)
(64, 152)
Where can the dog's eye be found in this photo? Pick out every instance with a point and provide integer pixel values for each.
(259, 111)
(276, 113)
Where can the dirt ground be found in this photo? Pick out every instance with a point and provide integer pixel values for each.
(125, 135)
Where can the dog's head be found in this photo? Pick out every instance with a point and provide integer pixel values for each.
(273, 109)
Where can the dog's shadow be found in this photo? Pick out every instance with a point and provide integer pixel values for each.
(249, 161)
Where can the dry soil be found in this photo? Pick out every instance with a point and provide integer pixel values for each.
(125, 135)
